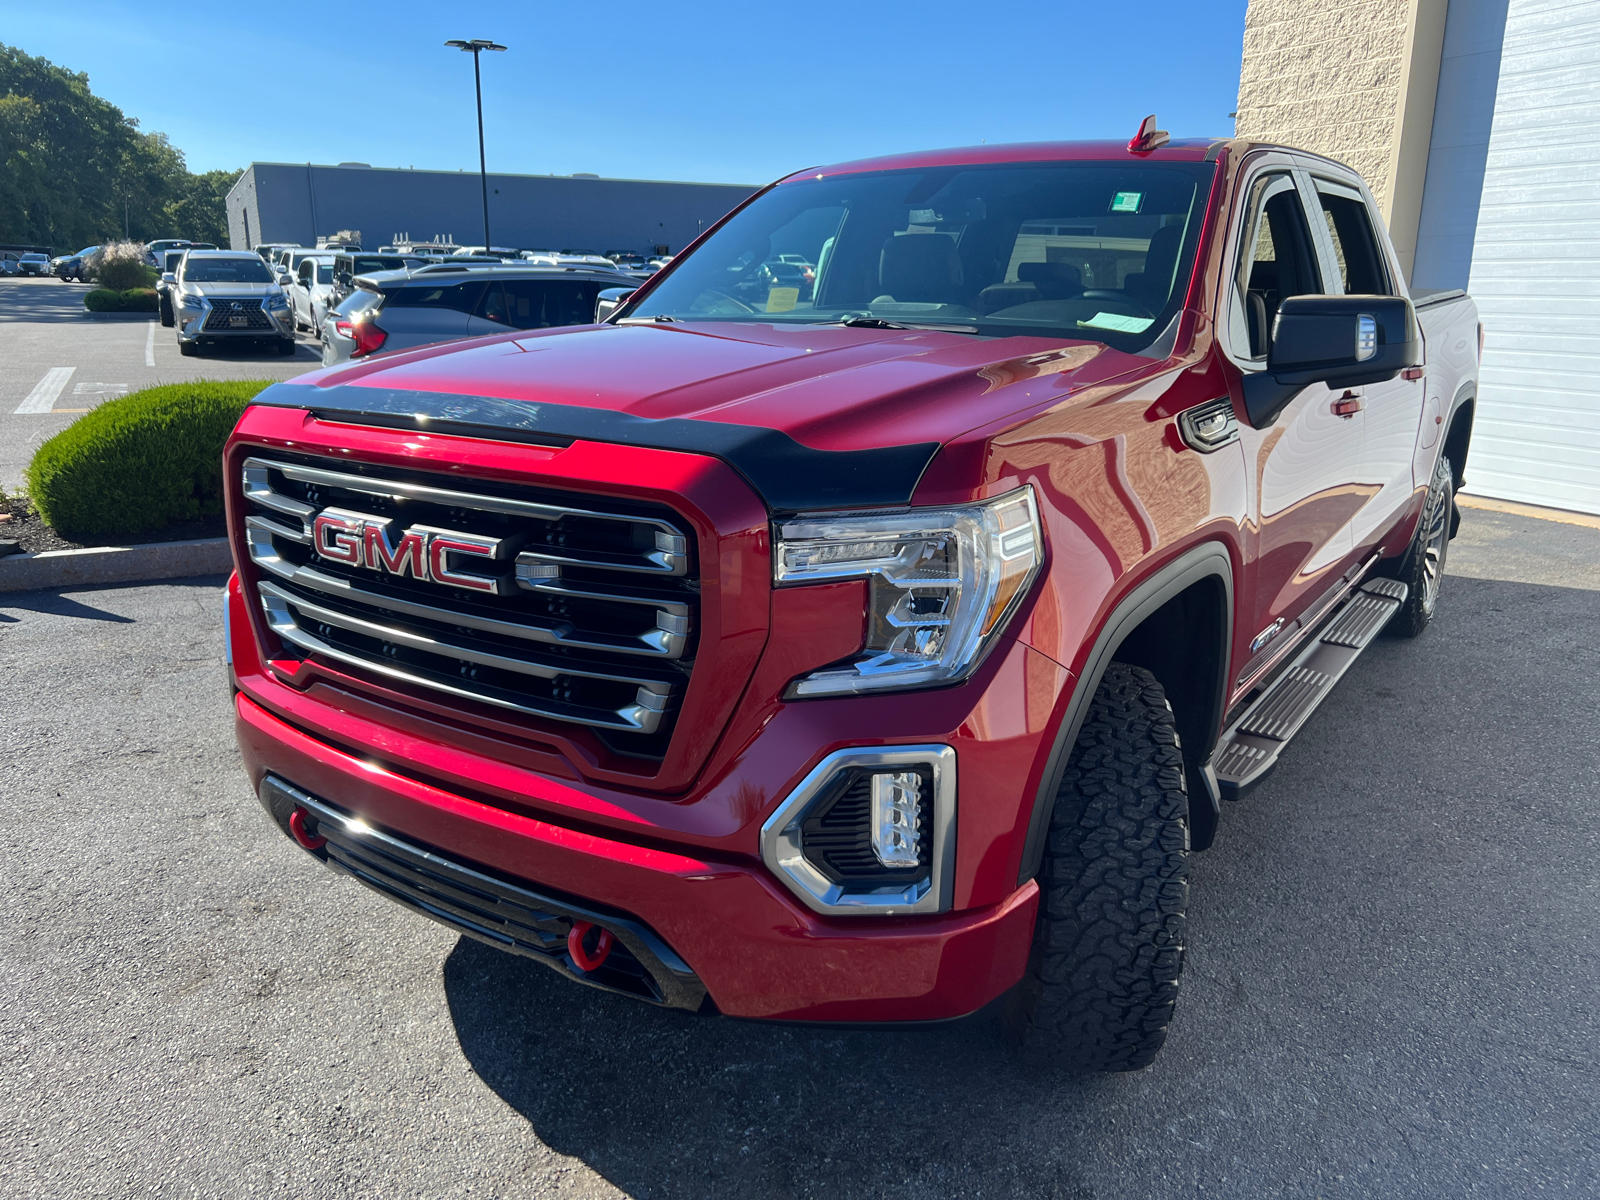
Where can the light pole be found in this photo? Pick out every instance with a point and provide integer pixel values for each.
(475, 47)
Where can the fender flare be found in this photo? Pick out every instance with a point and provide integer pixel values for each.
(1207, 560)
(1466, 394)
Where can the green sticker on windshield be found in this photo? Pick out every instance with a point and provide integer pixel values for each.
(1127, 202)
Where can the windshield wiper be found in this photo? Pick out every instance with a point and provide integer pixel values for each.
(865, 321)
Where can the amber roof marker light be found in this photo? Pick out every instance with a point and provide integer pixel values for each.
(1149, 137)
(475, 48)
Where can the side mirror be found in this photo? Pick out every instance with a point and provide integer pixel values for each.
(1342, 341)
(169, 277)
(609, 300)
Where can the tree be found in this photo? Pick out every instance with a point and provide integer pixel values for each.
(74, 168)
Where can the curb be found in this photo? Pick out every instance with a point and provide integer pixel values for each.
(1536, 511)
(115, 564)
(120, 316)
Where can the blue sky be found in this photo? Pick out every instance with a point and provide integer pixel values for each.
(718, 92)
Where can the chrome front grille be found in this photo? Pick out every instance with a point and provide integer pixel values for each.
(220, 318)
(558, 606)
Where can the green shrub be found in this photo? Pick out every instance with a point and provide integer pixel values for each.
(141, 461)
(103, 300)
(140, 300)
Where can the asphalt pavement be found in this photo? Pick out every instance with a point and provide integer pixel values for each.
(1390, 989)
(58, 362)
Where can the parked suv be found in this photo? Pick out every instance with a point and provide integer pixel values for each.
(880, 652)
(311, 293)
(169, 270)
(228, 296)
(393, 311)
(34, 264)
(347, 266)
(70, 266)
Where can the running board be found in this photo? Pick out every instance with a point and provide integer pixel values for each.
(1248, 751)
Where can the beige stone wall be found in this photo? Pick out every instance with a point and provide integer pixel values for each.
(1325, 77)
(1351, 79)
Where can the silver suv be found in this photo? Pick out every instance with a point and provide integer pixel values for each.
(228, 296)
(389, 311)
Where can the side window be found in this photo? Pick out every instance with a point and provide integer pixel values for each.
(306, 267)
(460, 297)
(1355, 246)
(541, 304)
(1276, 261)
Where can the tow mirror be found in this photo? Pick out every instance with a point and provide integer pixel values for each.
(609, 300)
(1341, 341)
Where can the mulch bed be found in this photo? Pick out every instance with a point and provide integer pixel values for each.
(27, 528)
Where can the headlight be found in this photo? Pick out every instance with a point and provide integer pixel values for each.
(943, 584)
(195, 302)
(277, 300)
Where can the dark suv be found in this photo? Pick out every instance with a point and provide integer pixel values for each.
(399, 310)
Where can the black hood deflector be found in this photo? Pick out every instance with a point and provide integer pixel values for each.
(788, 476)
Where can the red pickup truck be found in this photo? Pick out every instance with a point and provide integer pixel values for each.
(864, 621)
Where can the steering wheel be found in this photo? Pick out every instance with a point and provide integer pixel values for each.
(738, 304)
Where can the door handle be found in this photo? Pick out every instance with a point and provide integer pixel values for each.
(1347, 405)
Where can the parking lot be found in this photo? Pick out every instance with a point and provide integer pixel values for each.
(60, 362)
(1390, 989)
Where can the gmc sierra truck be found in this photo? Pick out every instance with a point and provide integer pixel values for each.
(876, 646)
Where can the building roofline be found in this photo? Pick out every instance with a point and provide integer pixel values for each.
(497, 175)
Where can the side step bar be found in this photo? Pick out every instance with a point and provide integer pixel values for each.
(1248, 750)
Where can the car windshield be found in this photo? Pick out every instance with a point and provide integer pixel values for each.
(226, 270)
(1078, 250)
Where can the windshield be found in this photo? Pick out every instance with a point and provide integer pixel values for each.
(226, 270)
(1077, 250)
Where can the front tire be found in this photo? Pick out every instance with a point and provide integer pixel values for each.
(1102, 978)
(167, 319)
(1422, 568)
(286, 347)
(188, 349)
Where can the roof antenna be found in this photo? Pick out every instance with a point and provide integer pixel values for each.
(1149, 137)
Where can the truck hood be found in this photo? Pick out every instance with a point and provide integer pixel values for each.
(826, 403)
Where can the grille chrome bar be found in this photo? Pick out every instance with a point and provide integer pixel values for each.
(577, 634)
(669, 556)
(665, 641)
(280, 607)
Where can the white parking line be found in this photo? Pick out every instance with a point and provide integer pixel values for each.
(150, 346)
(43, 397)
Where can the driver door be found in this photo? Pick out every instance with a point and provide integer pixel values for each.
(1306, 462)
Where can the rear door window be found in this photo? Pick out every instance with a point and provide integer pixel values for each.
(1355, 246)
(456, 297)
(540, 303)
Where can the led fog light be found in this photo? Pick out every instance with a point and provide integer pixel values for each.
(870, 831)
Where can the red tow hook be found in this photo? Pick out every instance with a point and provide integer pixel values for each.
(302, 831)
(602, 947)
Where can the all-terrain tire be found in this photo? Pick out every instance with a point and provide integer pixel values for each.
(1102, 978)
(1422, 567)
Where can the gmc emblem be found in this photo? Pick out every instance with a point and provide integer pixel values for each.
(422, 552)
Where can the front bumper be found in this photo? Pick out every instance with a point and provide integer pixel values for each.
(756, 951)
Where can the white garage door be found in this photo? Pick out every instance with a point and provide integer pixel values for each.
(1536, 264)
